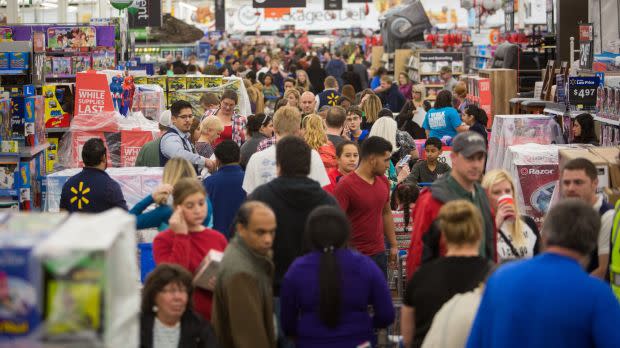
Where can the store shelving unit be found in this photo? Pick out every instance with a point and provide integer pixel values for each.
(424, 66)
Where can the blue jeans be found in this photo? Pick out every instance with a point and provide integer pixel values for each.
(381, 260)
(283, 341)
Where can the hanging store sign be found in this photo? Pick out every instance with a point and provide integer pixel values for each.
(220, 15)
(144, 13)
(331, 5)
(278, 3)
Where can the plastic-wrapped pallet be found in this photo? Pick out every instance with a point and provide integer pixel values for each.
(136, 183)
(511, 130)
(535, 169)
(87, 299)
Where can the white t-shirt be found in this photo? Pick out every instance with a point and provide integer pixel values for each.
(261, 169)
(164, 336)
(607, 221)
(504, 252)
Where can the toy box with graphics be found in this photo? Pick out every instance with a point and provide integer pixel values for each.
(27, 120)
(5, 118)
(51, 154)
(55, 116)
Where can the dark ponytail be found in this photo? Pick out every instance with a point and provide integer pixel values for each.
(479, 114)
(406, 193)
(327, 231)
(255, 122)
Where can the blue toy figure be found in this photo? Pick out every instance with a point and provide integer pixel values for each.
(116, 89)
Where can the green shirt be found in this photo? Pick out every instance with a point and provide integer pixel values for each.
(149, 155)
(472, 197)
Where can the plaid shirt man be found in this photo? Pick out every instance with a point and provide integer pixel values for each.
(238, 125)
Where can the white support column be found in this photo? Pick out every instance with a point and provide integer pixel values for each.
(12, 11)
(62, 10)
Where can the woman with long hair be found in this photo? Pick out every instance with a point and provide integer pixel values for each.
(371, 105)
(259, 128)
(405, 86)
(188, 240)
(402, 203)
(476, 119)
(316, 75)
(348, 158)
(302, 80)
(583, 130)
(292, 97)
(176, 169)
(326, 293)
(402, 143)
(436, 282)
(518, 236)
(316, 138)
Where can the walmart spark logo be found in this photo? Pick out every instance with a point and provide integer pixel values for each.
(80, 195)
(332, 99)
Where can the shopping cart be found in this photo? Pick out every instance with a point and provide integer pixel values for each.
(391, 337)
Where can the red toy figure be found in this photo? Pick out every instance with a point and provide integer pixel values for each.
(128, 90)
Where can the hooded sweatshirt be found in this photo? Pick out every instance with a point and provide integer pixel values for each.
(392, 98)
(292, 199)
(426, 241)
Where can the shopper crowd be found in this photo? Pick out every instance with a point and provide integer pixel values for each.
(310, 198)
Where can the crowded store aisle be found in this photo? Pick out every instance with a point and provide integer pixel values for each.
(258, 193)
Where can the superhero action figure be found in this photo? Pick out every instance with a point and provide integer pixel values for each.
(128, 91)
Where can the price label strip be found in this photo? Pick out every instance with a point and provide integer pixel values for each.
(582, 92)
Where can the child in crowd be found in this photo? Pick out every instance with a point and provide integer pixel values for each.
(188, 241)
(348, 157)
(269, 89)
(175, 170)
(476, 119)
(429, 170)
(402, 203)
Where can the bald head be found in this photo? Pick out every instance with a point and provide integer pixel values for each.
(256, 226)
(308, 103)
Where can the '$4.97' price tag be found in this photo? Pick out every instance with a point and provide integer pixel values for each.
(582, 92)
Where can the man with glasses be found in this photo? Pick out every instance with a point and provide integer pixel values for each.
(353, 126)
(176, 141)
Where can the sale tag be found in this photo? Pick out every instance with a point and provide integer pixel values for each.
(92, 94)
(582, 92)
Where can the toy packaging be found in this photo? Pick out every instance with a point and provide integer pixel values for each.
(74, 298)
(195, 82)
(9, 174)
(20, 272)
(149, 99)
(177, 83)
(140, 80)
(27, 120)
(51, 154)
(60, 38)
(55, 116)
(62, 66)
(212, 81)
(81, 63)
(19, 60)
(5, 58)
(158, 80)
(5, 117)
(104, 58)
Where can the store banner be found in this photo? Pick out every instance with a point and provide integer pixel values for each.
(333, 5)
(79, 138)
(586, 42)
(276, 12)
(92, 94)
(220, 15)
(144, 13)
(278, 3)
(131, 143)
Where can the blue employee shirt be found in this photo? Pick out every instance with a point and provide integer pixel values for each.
(441, 122)
(225, 190)
(91, 191)
(548, 301)
(160, 215)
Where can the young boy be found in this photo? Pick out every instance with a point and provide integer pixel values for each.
(429, 170)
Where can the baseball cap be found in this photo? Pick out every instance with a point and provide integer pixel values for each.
(468, 144)
(165, 117)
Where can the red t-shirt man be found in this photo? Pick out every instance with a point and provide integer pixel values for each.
(364, 197)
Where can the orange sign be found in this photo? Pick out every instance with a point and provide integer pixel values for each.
(92, 94)
(276, 12)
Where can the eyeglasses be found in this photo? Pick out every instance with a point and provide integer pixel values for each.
(185, 117)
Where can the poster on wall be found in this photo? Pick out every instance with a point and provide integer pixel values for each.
(71, 37)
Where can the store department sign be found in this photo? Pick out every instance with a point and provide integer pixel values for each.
(313, 17)
(278, 3)
(331, 5)
(144, 13)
